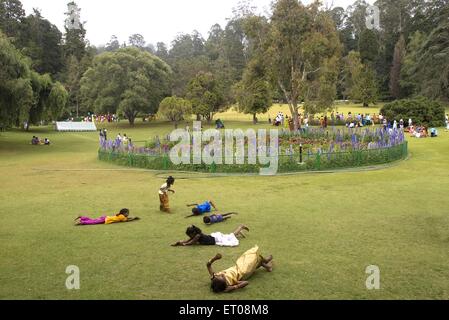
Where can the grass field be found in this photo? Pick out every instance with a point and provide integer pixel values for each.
(323, 229)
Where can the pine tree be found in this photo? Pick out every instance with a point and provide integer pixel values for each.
(395, 73)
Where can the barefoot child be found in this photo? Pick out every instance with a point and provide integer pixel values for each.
(235, 277)
(217, 218)
(123, 216)
(201, 209)
(163, 194)
(196, 236)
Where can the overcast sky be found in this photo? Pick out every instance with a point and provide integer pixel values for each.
(156, 20)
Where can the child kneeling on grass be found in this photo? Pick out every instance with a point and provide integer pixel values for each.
(217, 218)
(235, 277)
(123, 216)
(196, 236)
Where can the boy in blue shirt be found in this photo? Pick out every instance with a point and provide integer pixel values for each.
(201, 209)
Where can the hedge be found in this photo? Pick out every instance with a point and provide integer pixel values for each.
(421, 110)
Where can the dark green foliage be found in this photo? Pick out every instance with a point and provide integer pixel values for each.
(421, 110)
(42, 42)
(16, 92)
(127, 81)
(205, 95)
(11, 17)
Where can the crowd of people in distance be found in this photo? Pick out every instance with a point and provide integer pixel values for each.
(102, 118)
(357, 121)
(35, 141)
(351, 121)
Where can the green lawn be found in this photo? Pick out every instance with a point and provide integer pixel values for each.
(323, 229)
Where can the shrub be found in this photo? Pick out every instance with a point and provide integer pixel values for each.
(422, 111)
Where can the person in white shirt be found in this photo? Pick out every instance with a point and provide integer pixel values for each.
(163, 195)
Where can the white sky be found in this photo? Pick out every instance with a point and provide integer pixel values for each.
(156, 20)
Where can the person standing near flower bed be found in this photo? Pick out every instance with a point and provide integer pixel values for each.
(163, 194)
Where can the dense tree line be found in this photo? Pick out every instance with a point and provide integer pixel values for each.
(298, 54)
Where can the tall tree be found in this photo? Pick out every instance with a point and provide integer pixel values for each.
(214, 44)
(356, 20)
(16, 93)
(234, 44)
(41, 85)
(187, 58)
(253, 92)
(162, 51)
(113, 44)
(303, 41)
(136, 40)
(57, 101)
(368, 46)
(11, 17)
(127, 81)
(395, 73)
(432, 72)
(205, 94)
(361, 80)
(175, 109)
(409, 81)
(42, 42)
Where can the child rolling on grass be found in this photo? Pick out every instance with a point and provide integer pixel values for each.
(201, 209)
(196, 236)
(217, 218)
(163, 195)
(123, 216)
(235, 277)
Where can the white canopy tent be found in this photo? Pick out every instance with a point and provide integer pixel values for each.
(75, 126)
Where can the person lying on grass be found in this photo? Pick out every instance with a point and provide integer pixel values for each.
(196, 236)
(236, 277)
(122, 216)
(217, 218)
(200, 209)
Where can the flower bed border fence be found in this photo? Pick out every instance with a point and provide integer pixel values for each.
(324, 161)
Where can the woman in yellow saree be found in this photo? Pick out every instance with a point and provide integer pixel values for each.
(235, 277)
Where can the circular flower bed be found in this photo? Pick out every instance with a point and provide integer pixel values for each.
(308, 150)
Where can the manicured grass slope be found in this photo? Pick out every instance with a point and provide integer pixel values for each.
(323, 229)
